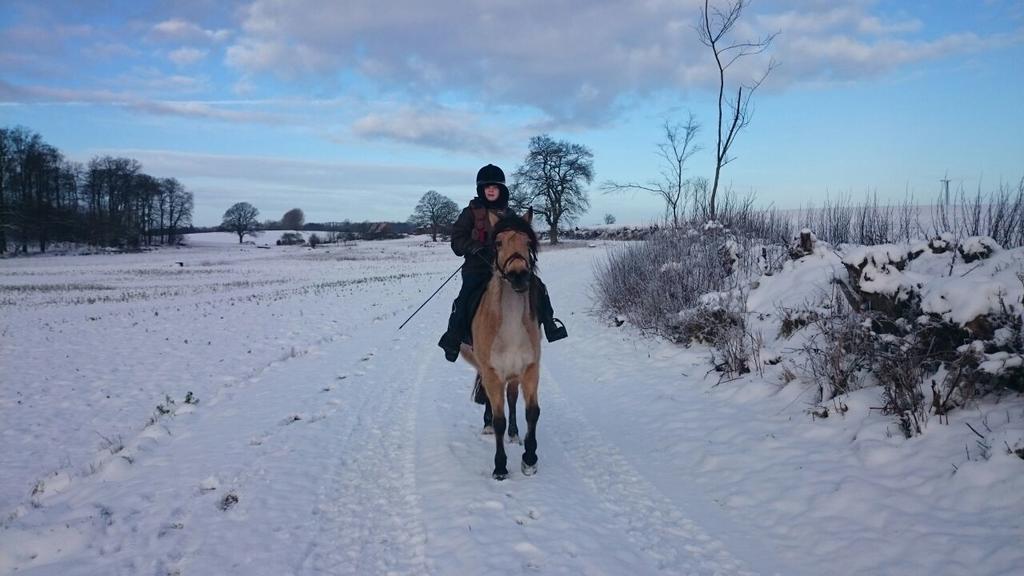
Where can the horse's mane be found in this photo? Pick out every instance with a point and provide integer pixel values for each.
(517, 224)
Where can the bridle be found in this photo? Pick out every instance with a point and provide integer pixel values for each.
(502, 267)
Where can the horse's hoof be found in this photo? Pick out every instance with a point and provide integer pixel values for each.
(499, 475)
(514, 439)
(529, 470)
(488, 430)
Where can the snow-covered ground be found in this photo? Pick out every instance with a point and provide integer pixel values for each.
(319, 439)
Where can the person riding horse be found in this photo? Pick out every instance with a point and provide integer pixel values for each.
(471, 238)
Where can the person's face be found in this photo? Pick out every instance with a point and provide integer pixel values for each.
(492, 192)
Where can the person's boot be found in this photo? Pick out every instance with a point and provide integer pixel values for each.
(554, 330)
(451, 340)
(451, 346)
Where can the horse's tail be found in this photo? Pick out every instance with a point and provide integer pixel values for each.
(479, 394)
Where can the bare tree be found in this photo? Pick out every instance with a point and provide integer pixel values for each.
(179, 209)
(293, 219)
(436, 211)
(241, 219)
(714, 25)
(553, 174)
(6, 175)
(675, 151)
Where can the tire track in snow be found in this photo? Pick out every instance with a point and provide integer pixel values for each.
(369, 514)
(675, 543)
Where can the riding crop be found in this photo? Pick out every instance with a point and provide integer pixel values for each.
(431, 297)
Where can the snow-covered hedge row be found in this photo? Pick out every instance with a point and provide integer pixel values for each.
(933, 324)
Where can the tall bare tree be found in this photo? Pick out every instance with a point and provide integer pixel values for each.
(179, 209)
(551, 181)
(6, 176)
(714, 26)
(435, 211)
(674, 151)
(241, 219)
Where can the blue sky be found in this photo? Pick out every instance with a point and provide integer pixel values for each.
(350, 110)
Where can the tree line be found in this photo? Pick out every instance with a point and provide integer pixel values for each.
(46, 198)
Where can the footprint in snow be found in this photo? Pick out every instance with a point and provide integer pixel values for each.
(291, 419)
(530, 516)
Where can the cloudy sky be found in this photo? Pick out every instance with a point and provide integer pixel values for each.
(354, 109)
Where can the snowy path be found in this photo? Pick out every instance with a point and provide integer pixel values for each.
(344, 446)
(361, 454)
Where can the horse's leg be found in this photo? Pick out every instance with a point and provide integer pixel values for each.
(488, 419)
(493, 385)
(480, 397)
(530, 381)
(512, 395)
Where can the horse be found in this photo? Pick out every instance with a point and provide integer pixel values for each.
(506, 338)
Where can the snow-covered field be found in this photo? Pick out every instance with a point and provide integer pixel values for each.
(226, 409)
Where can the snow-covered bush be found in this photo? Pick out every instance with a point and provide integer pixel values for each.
(720, 321)
(977, 248)
(291, 239)
(836, 359)
(650, 282)
(934, 328)
(932, 331)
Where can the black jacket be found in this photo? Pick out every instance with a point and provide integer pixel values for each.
(466, 238)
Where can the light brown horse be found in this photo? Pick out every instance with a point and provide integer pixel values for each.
(506, 337)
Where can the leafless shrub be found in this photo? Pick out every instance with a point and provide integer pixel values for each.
(831, 222)
(1005, 215)
(874, 223)
(112, 445)
(649, 282)
(901, 376)
(793, 319)
(721, 322)
(740, 217)
(998, 214)
(836, 359)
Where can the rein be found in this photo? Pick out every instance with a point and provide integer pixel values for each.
(517, 256)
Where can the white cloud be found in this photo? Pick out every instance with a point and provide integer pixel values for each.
(193, 109)
(177, 29)
(573, 59)
(185, 56)
(223, 111)
(433, 127)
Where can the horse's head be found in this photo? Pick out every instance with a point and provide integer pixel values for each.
(516, 245)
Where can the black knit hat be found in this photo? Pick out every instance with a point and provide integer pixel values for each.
(491, 174)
